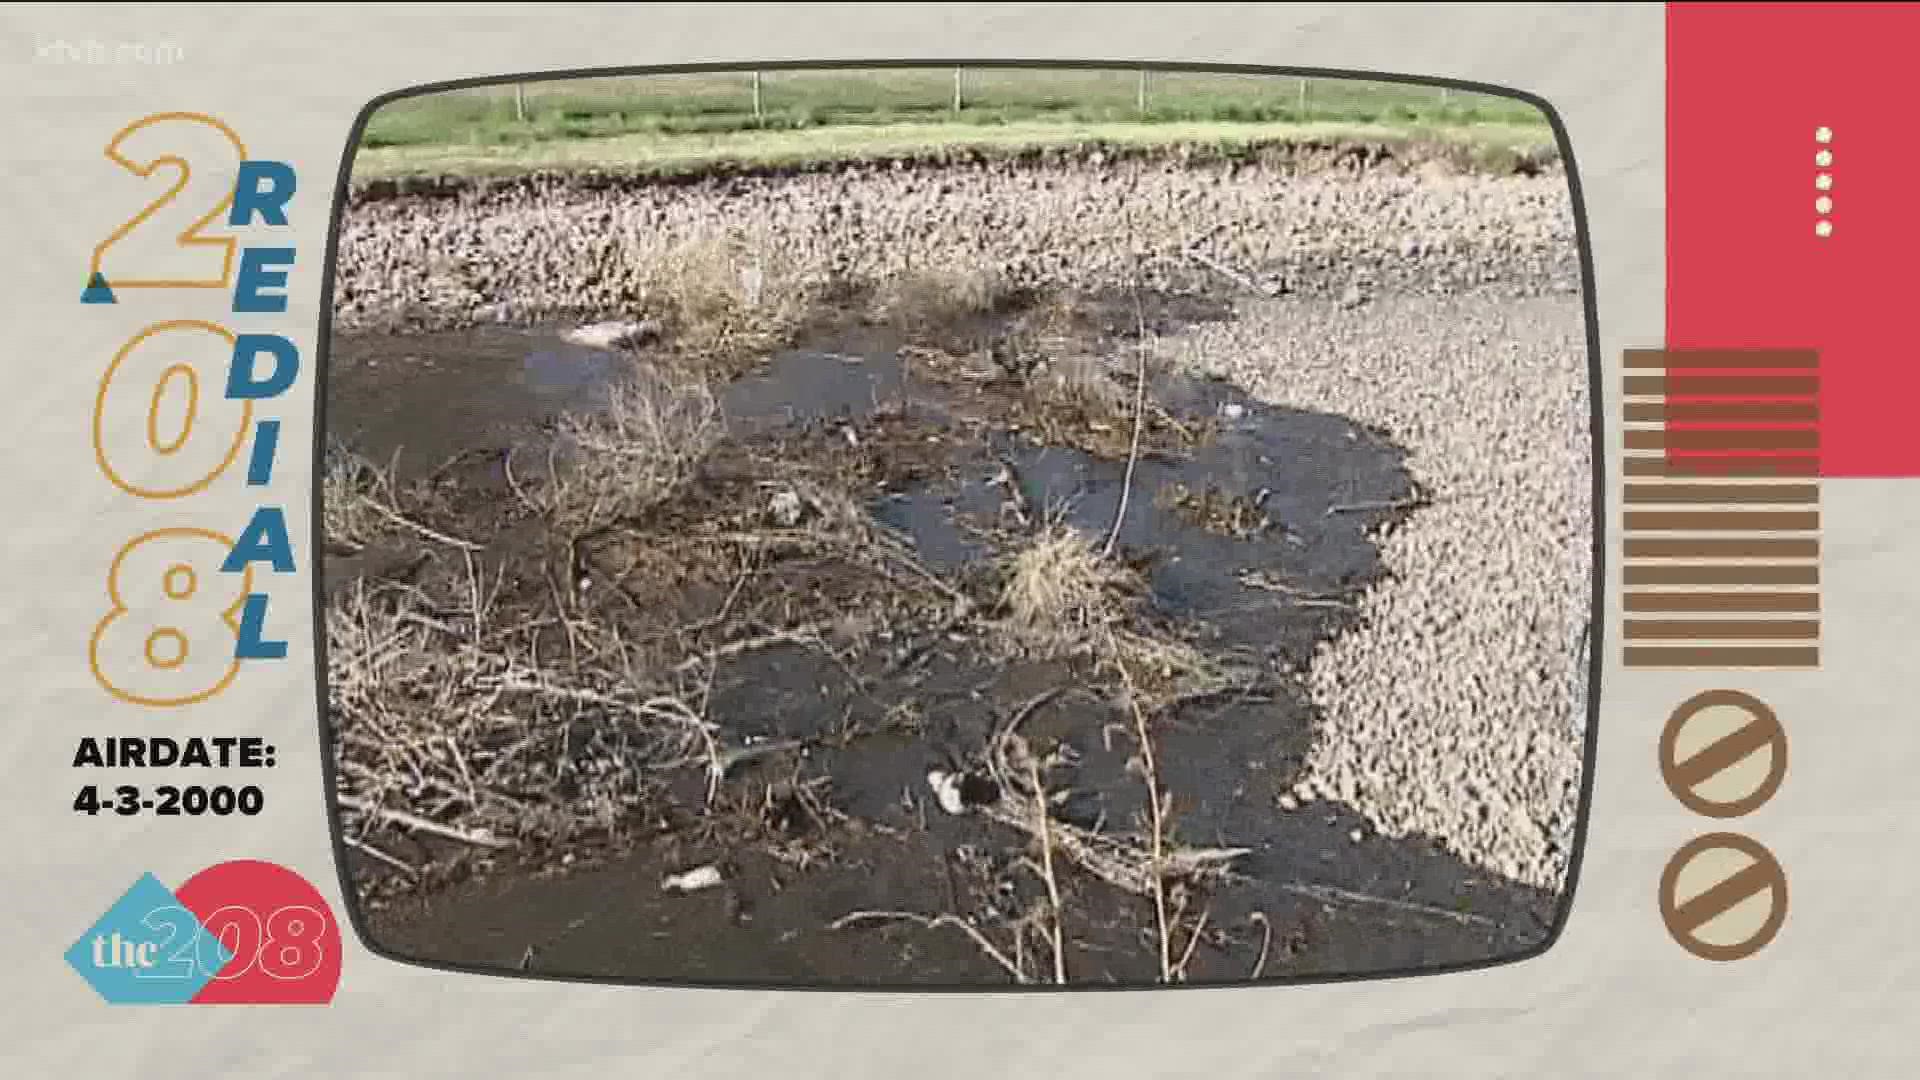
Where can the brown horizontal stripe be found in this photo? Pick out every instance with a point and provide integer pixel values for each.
(1723, 385)
(1751, 603)
(1729, 412)
(1723, 630)
(1723, 493)
(1727, 358)
(1704, 548)
(1740, 385)
(1723, 439)
(1697, 656)
(1722, 520)
(1703, 467)
(1696, 574)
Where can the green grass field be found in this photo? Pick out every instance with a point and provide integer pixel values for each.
(667, 122)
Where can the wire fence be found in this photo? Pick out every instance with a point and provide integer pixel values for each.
(960, 91)
(785, 99)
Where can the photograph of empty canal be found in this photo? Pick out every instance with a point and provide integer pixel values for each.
(926, 528)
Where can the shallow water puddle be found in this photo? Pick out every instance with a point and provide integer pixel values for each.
(432, 397)
(811, 386)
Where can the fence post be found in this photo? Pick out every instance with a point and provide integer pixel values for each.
(758, 115)
(1303, 97)
(1140, 94)
(959, 89)
(520, 102)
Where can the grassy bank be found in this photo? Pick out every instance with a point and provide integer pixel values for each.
(669, 153)
(669, 123)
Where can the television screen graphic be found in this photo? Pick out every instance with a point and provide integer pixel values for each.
(958, 527)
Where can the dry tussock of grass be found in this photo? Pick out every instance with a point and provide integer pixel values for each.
(726, 293)
(1061, 595)
(1084, 385)
(929, 299)
(638, 452)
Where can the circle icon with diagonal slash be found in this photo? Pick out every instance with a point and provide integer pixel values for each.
(1723, 754)
(1723, 897)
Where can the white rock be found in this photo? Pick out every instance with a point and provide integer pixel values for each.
(946, 791)
(786, 509)
(615, 334)
(700, 877)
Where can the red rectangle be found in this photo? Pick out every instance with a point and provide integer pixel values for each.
(1748, 85)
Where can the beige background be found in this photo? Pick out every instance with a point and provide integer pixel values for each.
(1833, 994)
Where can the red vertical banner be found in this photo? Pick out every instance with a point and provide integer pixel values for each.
(1789, 223)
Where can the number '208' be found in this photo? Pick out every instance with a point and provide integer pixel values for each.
(182, 613)
(285, 945)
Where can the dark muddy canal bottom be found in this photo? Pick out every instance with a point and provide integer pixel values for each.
(1316, 894)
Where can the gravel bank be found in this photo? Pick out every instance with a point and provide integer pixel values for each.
(1440, 306)
(1454, 709)
(547, 250)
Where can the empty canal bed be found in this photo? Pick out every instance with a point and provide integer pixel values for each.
(997, 572)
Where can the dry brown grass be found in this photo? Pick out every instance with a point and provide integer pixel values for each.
(725, 294)
(643, 448)
(351, 492)
(920, 300)
(1214, 509)
(360, 505)
(1073, 395)
(450, 723)
(1084, 384)
(1061, 595)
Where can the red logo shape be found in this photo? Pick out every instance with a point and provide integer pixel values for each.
(285, 941)
(1791, 226)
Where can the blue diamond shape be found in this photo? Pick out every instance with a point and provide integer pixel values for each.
(148, 950)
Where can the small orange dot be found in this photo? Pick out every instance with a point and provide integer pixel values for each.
(180, 581)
